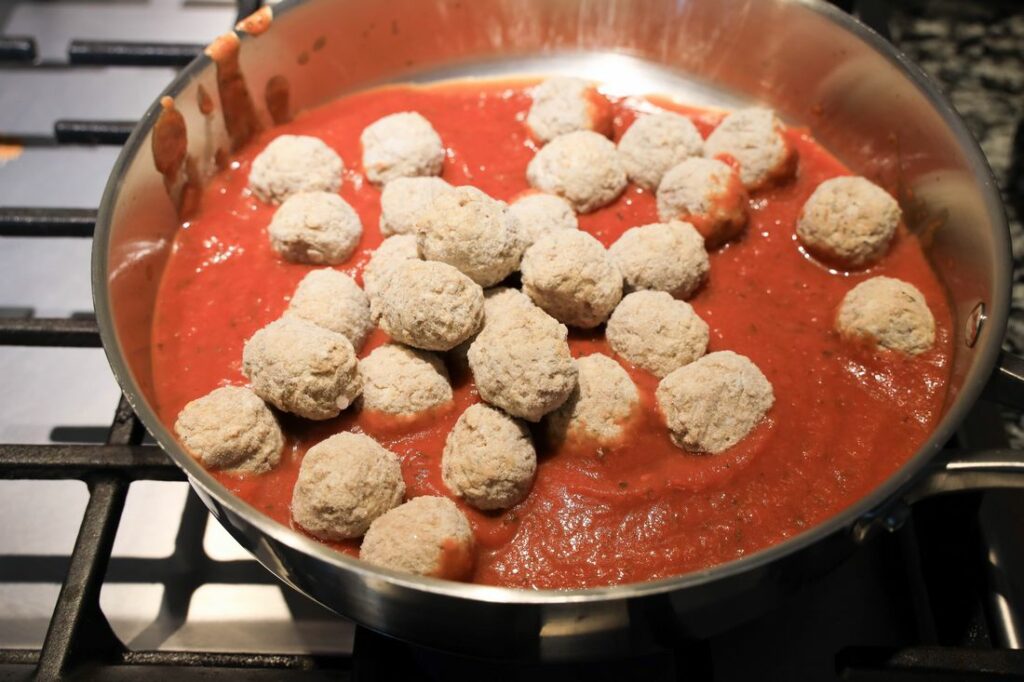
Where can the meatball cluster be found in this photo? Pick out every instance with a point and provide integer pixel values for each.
(444, 286)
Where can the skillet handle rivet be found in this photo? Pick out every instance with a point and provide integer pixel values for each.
(975, 321)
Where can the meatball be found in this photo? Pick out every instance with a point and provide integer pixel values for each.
(889, 312)
(231, 429)
(315, 227)
(540, 214)
(656, 332)
(404, 202)
(849, 221)
(498, 302)
(582, 167)
(488, 459)
(713, 403)
(599, 406)
(754, 139)
(344, 483)
(706, 193)
(472, 232)
(521, 363)
(662, 256)
(334, 301)
(393, 251)
(302, 368)
(401, 145)
(294, 163)
(425, 536)
(655, 143)
(571, 276)
(403, 381)
(430, 305)
(563, 104)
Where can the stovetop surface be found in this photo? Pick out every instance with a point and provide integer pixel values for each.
(178, 582)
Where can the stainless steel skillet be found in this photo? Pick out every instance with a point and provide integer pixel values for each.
(815, 65)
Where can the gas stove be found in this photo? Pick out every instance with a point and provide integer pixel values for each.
(110, 566)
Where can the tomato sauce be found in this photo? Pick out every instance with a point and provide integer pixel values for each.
(845, 416)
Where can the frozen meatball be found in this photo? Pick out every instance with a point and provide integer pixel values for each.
(540, 214)
(889, 312)
(522, 364)
(563, 104)
(582, 167)
(425, 536)
(294, 163)
(334, 301)
(713, 403)
(849, 221)
(401, 145)
(707, 194)
(571, 276)
(473, 233)
(754, 139)
(430, 305)
(344, 483)
(302, 368)
(315, 227)
(404, 202)
(662, 256)
(656, 332)
(403, 381)
(377, 273)
(656, 143)
(599, 407)
(488, 459)
(231, 429)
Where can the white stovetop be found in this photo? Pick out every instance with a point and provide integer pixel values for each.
(44, 388)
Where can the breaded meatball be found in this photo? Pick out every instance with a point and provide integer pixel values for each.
(656, 143)
(707, 194)
(377, 273)
(430, 305)
(403, 381)
(713, 403)
(302, 368)
(582, 167)
(522, 364)
(656, 332)
(344, 484)
(488, 459)
(294, 163)
(498, 302)
(425, 536)
(315, 227)
(473, 233)
(848, 221)
(571, 276)
(754, 139)
(563, 104)
(540, 214)
(662, 256)
(600, 405)
(334, 301)
(401, 145)
(231, 429)
(404, 201)
(889, 312)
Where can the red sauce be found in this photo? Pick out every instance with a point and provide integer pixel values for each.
(845, 416)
